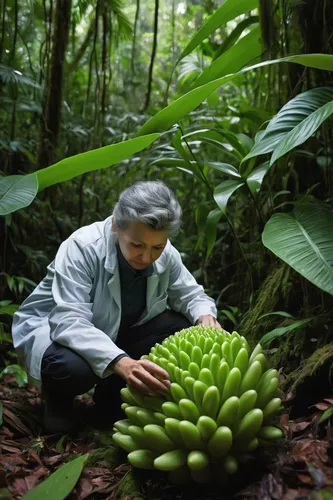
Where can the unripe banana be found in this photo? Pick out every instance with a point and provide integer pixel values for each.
(232, 384)
(212, 417)
(142, 459)
(257, 350)
(194, 370)
(246, 402)
(171, 410)
(211, 402)
(189, 410)
(199, 389)
(205, 361)
(267, 392)
(170, 460)
(206, 426)
(221, 442)
(197, 460)
(269, 433)
(236, 345)
(124, 441)
(177, 392)
(229, 412)
(271, 408)
(206, 377)
(190, 435)
(242, 360)
(160, 441)
(251, 377)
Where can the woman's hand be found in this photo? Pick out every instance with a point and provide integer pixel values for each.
(143, 375)
(208, 320)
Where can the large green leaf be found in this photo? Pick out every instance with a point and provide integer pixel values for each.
(291, 115)
(302, 131)
(228, 11)
(234, 35)
(168, 116)
(60, 483)
(304, 240)
(17, 191)
(254, 180)
(224, 191)
(245, 51)
(92, 160)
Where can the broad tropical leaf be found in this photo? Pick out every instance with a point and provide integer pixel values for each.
(304, 240)
(60, 483)
(291, 115)
(302, 131)
(92, 160)
(17, 191)
(245, 51)
(224, 191)
(254, 180)
(168, 116)
(234, 35)
(228, 11)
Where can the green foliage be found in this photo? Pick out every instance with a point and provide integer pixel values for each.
(17, 191)
(60, 483)
(228, 11)
(304, 239)
(292, 115)
(245, 51)
(19, 373)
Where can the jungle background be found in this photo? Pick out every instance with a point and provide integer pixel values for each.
(76, 76)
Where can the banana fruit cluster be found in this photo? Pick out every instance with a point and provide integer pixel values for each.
(219, 409)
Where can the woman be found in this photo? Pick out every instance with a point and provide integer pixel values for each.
(115, 288)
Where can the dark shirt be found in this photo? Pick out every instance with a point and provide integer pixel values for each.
(133, 292)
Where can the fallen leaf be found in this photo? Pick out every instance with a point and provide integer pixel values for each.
(15, 421)
(322, 406)
(84, 488)
(298, 426)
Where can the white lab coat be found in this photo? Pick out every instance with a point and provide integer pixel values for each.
(78, 304)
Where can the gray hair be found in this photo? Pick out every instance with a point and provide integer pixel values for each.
(151, 203)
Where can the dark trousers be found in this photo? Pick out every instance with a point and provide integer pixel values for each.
(65, 374)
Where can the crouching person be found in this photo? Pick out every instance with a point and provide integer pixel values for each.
(114, 289)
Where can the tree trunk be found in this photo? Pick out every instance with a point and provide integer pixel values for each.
(134, 35)
(151, 66)
(50, 124)
(3, 27)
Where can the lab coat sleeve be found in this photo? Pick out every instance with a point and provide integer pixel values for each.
(71, 318)
(185, 294)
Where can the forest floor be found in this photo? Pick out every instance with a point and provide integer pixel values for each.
(301, 468)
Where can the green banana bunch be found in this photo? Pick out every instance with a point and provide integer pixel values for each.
(220, 407)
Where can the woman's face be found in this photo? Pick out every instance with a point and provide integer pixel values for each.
(140, 245)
